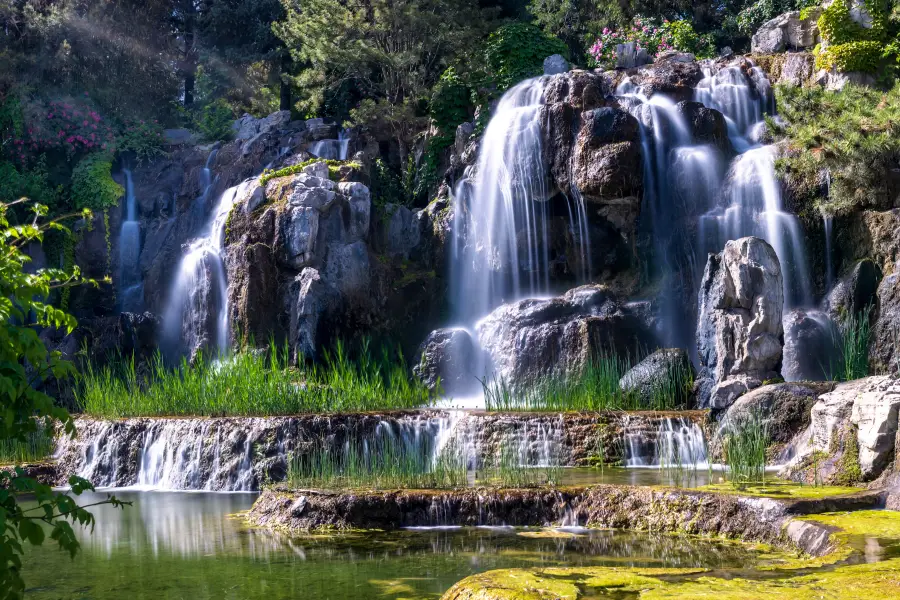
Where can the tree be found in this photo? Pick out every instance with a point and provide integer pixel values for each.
(25, 363)
(577, 22)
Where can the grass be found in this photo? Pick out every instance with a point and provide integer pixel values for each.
(37, 447)
(853, 133)
(744, 445)
(595, 387)
(853, 334)
(387, 462)
(254, 384)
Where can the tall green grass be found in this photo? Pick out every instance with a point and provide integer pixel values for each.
(386, 462)
(744, 444)
(254, 384)
(595, 387)
(852, 343)
(37, 447)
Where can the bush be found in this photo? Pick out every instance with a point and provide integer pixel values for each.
(451, 102)
(517, 51)
(214, 121)
(144, 139)
(751, 17)
(652, 36)
(92, 183)
(852, 56)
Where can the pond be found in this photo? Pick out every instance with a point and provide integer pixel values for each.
(192, 545)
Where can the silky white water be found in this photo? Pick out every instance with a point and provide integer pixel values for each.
(130, 281)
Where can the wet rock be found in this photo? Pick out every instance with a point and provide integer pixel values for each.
(451, 356)
(884, 350)
(854, 292)
(397, 230)
(670, 75)
(787, 32)
(532, 339)
(652, 374)
(248, 127)
(555, 64)
(739, 331)
(798, 69)
(311, 300)
(629, 56)
(811, 346)
(707, 126)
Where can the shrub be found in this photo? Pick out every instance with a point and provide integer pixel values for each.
(92, 183)
(652, 36)
(852, 56)
(69, 126)
(215, 120)
(144, 139)
(517, 51)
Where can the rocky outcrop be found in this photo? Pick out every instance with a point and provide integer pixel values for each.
(673, 74)
(739, 332)
(448, 360)
(812, 342)
(787, 32)
(532, 339)
(660, 373)
(797, 69)
(854, 292)
(852, 433)
(884, 349)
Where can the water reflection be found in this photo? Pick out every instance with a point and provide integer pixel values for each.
(179, 545)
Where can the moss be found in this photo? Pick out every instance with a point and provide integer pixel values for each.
(784, 490)
(334, 167)
(848, 469)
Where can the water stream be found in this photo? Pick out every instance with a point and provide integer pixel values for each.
(130, 280)
(332, 149)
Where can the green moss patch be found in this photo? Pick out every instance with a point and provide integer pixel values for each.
(786, 490)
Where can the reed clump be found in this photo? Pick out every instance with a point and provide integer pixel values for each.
(744, 445)
(593, 388)
(37, 446)
(255, 383)
(852, 342)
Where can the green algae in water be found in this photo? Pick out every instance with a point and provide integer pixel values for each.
(190, 545)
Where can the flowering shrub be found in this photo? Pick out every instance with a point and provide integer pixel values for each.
(654, 37)
(142, 138)
(72, 127)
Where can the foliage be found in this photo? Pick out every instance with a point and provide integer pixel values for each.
(28, 182)
(744, 444)
(92, 183)
(451, 102)
(595, 387)
(853, 134)
(37, 446)
(333, 166)
(652, 36)
(850, 46)
(25, 363)
(143, 139)
(71, 127)
(517, 51)
(214, 121)
(854, 332)
(576, 21)
(757, 13)
(386, 185)
(848, 470)
(250, 384)
(852, 56)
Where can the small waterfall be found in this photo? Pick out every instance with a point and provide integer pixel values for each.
(130, 283)
(677, 441)
(197, 314)
(828, 223)
(332, 149)
(742, 97)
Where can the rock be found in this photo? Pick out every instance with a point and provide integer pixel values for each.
(884, 349)
(783, 408)
(787, 32)
(311, 300)
(248, 127)
(398, 230)
(835, 81)
(298, 507)
(555, 64)
(464, 132)
(811, 346)
(628, 56)
(798, 69)
(451, 356)
(179, 137)
(532, 339)
(606, 165)
(670, 75)
(359, 201)
(739, 331)
(655, 372)
(347, 269)
(298, 230)
(855, 292)
(874, 413)
(707, 126)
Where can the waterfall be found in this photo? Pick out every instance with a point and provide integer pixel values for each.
(504, 212)
(828, 223)
(332, 149)
(130, 284)
(197, 313)
(742, 98)
(677, 441)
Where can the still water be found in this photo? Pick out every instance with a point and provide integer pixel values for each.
(177, 545)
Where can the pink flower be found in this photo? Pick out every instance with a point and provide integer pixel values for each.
(605, 30)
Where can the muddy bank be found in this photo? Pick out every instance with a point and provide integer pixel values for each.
(600, 506)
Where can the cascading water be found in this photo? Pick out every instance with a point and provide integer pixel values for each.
(197, 314)
(130, 282)
(828, 224)
(677, 441)
(332, 149)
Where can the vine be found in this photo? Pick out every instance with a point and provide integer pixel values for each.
(108, 243)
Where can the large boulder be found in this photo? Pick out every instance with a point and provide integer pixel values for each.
(673, 74)
(656, 373)
(449, 359)
(798, 69)
(739, 331)
(811, 346)
(311, 300)
(874, 413)
(532, 339)
(787, 32)
(555, 64)
(884, 350)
